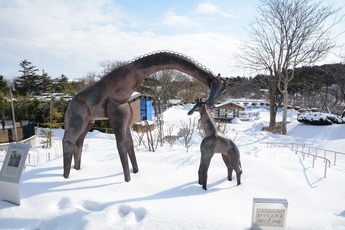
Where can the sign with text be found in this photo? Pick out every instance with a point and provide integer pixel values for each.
(269, 213)
(11, 172)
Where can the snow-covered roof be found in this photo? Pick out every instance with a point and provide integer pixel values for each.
(135, 94)
(230, 103)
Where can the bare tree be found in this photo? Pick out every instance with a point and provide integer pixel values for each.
(284, 35)
(190, 89)
(109, 66)
(169, 137)
(162, 86)
(187, 131)
(90, 78)
(335, 74)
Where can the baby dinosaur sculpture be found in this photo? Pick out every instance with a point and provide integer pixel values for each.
(108, 98)
(215, 142)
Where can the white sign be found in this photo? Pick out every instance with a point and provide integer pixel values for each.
(269, 213)
(11, 172)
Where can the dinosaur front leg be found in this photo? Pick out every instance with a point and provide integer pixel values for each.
(203, 168)
(205, 161)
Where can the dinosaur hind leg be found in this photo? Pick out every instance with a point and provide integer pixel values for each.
(129, 140)
(79, 146)
(228, 165)
(120, 117)
(238, 170)
(131, 152)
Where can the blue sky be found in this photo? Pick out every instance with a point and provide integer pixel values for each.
(73, 37)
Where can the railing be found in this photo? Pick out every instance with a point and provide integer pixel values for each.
(310, 151)
(304, 148)
(48, 154)
(38, 155)
(325, 153)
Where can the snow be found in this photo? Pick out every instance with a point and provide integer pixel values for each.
(164, 194)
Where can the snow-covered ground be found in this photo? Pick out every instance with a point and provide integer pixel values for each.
(164, 194)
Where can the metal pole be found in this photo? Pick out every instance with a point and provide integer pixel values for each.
(324, 155)
(13, 116)
(316, 151)
(325, 169)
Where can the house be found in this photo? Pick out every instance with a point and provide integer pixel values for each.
(142, 106)
(227, 111)
(250, 103)
(244, 109)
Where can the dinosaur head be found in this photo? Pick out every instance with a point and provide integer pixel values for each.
(217, 88)
(198, 105)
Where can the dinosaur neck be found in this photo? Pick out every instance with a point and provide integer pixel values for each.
(150, 64)
(207, 122)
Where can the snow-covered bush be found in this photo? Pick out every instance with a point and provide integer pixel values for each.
(317, 118)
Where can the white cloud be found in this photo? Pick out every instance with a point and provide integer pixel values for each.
(73, 37)
(55, 33)
(172, 19)
(207, 8)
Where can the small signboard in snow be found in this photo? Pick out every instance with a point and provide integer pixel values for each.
(269, 213)
(11, 172)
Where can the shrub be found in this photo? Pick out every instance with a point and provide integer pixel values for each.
(316, 118)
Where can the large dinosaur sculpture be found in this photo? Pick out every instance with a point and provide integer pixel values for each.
(108, 98)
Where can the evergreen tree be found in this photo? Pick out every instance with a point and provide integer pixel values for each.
(28, 81)
(54, 115)
(44, 84)
(59, 84)
(4, 89)
(4, 103)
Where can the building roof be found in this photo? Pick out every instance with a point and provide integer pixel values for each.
(230, 105)
(136, 95)
(248, 101)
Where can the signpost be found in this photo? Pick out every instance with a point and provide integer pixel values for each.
(269, 213)
(11, 172)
